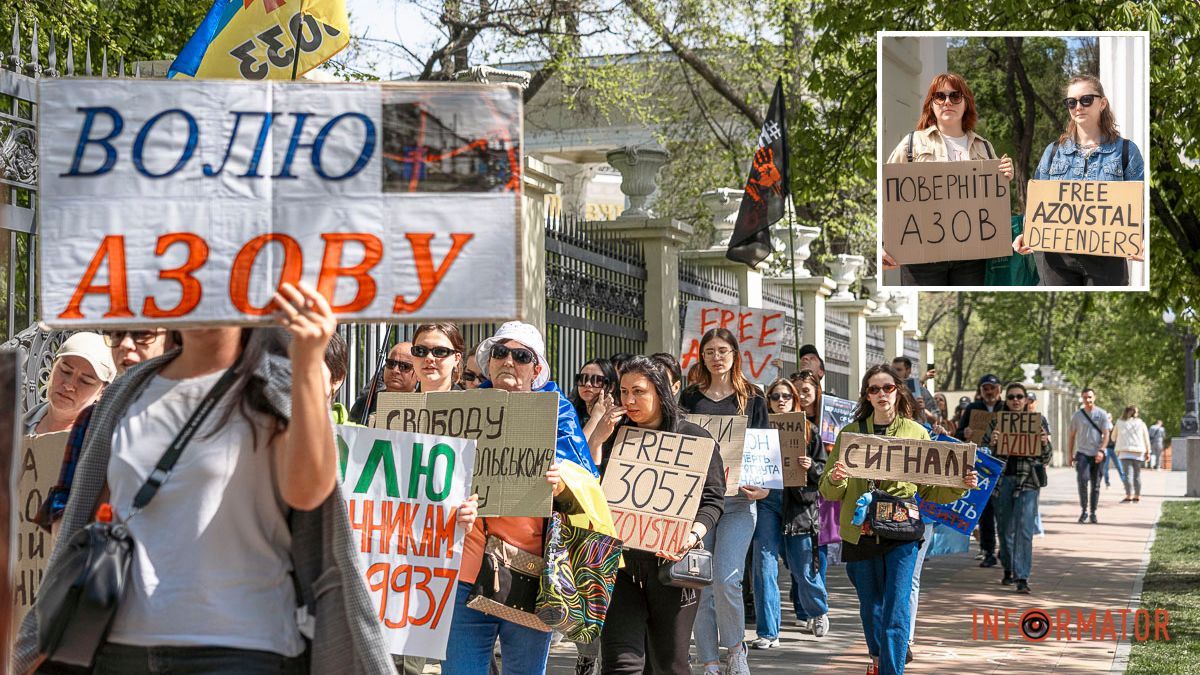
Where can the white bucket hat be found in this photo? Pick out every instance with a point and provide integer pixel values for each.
(91, 348)
(520, 332)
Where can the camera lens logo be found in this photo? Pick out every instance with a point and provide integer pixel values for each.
(1035, 625)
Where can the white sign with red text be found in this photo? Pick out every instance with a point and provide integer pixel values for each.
(759, 333)
(177, 203)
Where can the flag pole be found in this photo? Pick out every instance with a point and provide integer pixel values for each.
(790, 209)
(296, 41)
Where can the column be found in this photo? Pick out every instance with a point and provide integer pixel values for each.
(856, 313)
(538, 183)
(893, 334)
(724, 203)
(661, 239)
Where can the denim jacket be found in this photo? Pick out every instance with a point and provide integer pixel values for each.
(1103, 164)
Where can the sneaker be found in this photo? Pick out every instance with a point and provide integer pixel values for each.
(989, 561)
(1083, 517)
(1092, 518)
(1137, 499)
(764, 643)
(712, 669)
(1127, 499)
(1008, 578)
(806, 624)
(872, 669)
(1023, 587)
(821, 625)
(736, 663)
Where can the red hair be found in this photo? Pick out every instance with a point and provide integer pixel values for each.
(928, 119)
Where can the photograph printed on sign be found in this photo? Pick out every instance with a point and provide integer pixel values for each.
(653, 484)
(402, 495)
(188, 203)
(973, 155)
(516, 435)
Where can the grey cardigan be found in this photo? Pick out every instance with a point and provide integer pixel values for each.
(347, 637)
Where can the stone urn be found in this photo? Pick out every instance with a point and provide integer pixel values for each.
(723, 203)
(1029, 369)
(845, 269)
(639, 175)
(802, 236)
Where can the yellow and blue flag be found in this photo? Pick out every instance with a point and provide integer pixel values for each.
(257, 39)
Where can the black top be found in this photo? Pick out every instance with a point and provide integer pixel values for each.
(712, 498)
(800, 504)
(965, 420)
(869, 548)
(694, 401)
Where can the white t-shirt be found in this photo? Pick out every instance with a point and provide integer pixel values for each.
(957, 149)
(211, 564)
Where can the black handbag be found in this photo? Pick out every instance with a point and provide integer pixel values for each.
(693, 570)
(78, 598)
(508, 583)
(894, 518)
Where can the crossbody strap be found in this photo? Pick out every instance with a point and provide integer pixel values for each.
(1092, 422)
(162, 470)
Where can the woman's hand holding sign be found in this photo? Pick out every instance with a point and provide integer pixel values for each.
(1006, 167)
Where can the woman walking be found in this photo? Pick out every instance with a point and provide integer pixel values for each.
(1133, 449)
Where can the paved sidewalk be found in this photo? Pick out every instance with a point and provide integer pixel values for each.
(1075, 567)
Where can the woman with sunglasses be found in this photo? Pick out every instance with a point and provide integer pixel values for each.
(513, 360)
(595, 392)
(788, 523)
(881, 569)
(946, 133)
(722, 389)
(131, 347)
(649, 623)
(1016, 496)
(436, 353)
(1091, 148)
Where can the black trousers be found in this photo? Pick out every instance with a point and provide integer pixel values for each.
(987, 529)
(950, 273)
(1087, 469)
(1063, 269)
(649, 625)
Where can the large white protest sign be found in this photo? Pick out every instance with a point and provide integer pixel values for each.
(759, 332)
(402, 492)
(173, 203)
(761, 462)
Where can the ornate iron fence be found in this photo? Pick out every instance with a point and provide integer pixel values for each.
(780, 297)
(837, 354)
(713, 284)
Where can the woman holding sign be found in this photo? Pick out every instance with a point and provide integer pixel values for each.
(650, 623)
(1091, 148)
(881, 568)
(723, 389)
(1016, 495)
(946, 133)
(788, 524)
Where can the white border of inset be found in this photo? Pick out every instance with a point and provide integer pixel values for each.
(1143, 144)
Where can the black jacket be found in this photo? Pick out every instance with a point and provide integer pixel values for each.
(800, 506)
(965, 420)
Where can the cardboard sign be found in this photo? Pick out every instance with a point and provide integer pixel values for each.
(979, 422)
(402, 493)
(793, 445)
(9, 445)
(729, 431)
(937, 211)
(906, 459)
(653, 485)
(37, 470)
(835, 414)
(187, 203)
(761, 463)
(963, 515)
(1089, 217)
(516, 435)
(759, 332)
(1018, 434)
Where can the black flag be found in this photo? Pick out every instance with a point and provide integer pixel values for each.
(766, 188)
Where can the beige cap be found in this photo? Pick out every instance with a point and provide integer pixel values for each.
(91, 348)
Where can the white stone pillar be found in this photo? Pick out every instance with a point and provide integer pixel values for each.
(893, 334)
(538, 183)
(856, 314)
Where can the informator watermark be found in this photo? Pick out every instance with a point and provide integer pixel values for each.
(1097, 625)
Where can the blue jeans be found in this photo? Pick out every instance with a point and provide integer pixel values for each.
(721, 619)
(1016, 517)
(523, 651)
(808, 586)
(1110, 458)
(915, 599)
(884, 590)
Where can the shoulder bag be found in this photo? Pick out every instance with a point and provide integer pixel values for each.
(891, 517)
(577, 582)
(693, 570)
(508, 583)
(78, 598)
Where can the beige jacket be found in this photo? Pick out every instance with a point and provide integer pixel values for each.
(929, 146)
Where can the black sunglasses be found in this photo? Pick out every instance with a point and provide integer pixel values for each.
(521, 356)
(954, 96)
(1086, 101)
(112, 338)
(591, 380)
(1015, 397)
(404, 366)
(421, 351)
(780, 397)
(469, 376)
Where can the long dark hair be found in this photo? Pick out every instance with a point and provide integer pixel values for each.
(743, 389)
(614, 387)
(904, 402)
(248, 390)
(645, 366)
